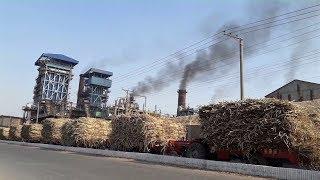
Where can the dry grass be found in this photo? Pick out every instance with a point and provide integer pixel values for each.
(138, 132)
(51, 131)
(31, 132)
(4, 133)
(86, 132)
(15, 133)
(252, 125)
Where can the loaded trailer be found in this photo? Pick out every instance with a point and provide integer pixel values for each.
(193, 146)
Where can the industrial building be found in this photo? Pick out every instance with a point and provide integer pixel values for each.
(297, 90)
(93, 92)
(7, 121)
(51, 92)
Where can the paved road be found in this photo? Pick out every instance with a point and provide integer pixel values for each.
(30, 163)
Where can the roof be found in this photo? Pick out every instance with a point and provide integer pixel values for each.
(296, 80)
(59, 57)
(99, 71)
(6, 116)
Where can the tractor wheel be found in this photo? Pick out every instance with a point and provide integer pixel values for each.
(170, 153)
(197, 151)
(258, 160)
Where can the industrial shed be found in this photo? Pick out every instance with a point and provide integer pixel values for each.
(297, 90)
(7, 121)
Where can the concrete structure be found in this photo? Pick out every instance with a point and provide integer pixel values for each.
(51, 92)
(297, 90)
(93, 92)
(7, 121)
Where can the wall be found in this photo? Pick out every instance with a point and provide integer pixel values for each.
(292, 90)
(6, 121)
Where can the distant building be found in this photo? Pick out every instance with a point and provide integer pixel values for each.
(297, 90)
(7, 121)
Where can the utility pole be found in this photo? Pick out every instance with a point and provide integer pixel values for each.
(241, 44)
(127, 103)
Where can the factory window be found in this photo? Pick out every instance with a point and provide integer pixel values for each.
(289, 97)
(311, 94)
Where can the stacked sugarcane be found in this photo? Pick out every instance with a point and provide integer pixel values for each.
(140, 132)
(187, 120)
(31, 132)
(312, 108)
(4, 133)
(15, 132)
(252, 125)
(51, 132)
(86, 132)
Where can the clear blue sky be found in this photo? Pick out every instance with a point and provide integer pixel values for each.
(124, 35)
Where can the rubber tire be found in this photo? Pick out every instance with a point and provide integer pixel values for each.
(170, 153)
(257, 160)
(197, 151)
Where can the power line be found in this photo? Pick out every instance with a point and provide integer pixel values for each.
(249, 77)
(265, 75)
(257, 46)
(203, 40)
(141, 72)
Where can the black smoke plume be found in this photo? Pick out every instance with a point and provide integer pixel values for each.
(223, 53)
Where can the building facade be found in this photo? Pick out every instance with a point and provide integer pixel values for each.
(7, 121)
(51, 92)
(93, 92)
(297, 90)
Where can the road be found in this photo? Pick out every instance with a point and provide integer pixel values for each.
(30, 163)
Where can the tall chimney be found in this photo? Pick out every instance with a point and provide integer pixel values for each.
(182, 93)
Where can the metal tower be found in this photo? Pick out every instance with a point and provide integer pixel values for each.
(93, 92)
(51, 91)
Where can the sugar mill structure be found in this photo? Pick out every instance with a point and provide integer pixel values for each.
(93, 92)
(297, 90)
(51, 92)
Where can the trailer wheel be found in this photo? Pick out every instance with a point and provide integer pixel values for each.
(257, 159)
(197, 151)
(170, 153)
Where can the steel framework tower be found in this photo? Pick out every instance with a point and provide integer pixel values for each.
(93, 92)
(52, 84)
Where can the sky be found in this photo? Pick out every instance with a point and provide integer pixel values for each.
(121, 36)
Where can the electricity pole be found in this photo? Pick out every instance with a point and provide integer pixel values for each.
(127, 103)
(241, 44)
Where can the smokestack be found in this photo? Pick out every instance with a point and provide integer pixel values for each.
(182, 93)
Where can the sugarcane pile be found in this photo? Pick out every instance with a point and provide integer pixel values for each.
(31, 132)
(312, 108)
(139, 132)
(4, 133)
(252, 125)
(51, 131)
(86, 132)
(15, 132)
(187, 120)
